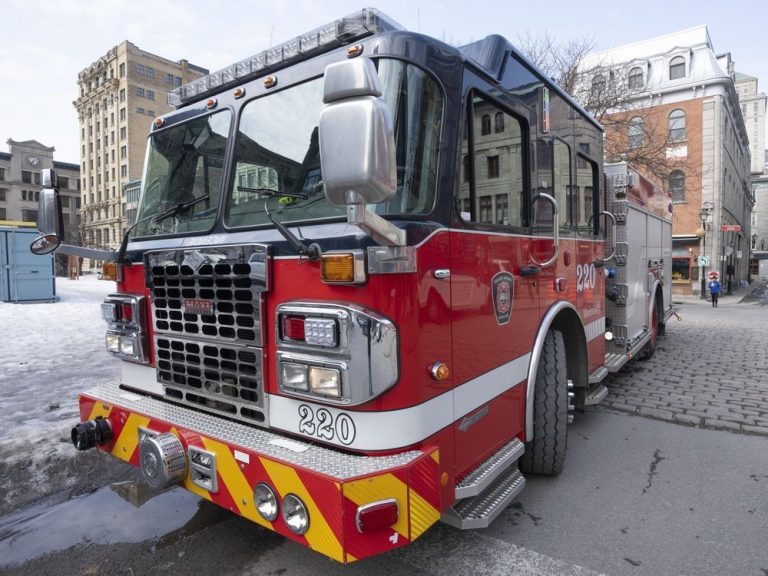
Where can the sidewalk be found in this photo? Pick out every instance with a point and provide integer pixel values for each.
(746, 296)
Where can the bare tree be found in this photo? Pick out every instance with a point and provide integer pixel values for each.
(635, 130)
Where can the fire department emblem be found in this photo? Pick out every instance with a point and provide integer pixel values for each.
(503, 285)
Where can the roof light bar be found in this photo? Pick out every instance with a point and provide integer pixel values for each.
(337, 33)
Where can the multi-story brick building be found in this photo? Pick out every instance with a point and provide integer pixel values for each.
(120, 94)
(681, 93)
(20, 185)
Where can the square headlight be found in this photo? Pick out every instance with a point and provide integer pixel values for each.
(294, 375)
(325, 381)
(113, 343)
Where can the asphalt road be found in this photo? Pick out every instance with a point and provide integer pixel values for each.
(639, 495)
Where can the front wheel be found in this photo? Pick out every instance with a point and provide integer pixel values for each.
(545, 452)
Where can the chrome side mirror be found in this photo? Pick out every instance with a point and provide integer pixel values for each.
(356, 136)
(50, 222)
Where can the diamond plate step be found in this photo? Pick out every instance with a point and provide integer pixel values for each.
(481, 510)
(482, 476)
(595, 395)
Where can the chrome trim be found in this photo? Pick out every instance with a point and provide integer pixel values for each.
(361, 509)
(533, 366)
(368, 347)
(136, 328)
(201, 475)
(360, 276)
(468, 421)
(555, 231)
(442, 274)
(391, 259)
(613, 229)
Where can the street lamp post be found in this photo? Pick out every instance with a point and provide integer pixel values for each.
(706, 208)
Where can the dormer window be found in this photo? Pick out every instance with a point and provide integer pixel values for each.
(677, 68)
(635, 78)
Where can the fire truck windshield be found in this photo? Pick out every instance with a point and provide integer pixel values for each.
(183, 176)
(276, 163)
(277, 150)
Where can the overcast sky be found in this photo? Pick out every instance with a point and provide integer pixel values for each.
(45, 43)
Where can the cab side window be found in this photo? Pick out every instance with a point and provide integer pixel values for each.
(492, 183)
(584, 194)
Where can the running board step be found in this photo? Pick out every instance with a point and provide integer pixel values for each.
(482, 476)
(595, 395)
(481, 510)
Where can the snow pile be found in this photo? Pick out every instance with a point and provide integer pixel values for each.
(48, 353)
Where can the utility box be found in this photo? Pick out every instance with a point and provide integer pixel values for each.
(24, 276)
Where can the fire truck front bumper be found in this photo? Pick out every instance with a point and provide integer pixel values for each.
(342, 505)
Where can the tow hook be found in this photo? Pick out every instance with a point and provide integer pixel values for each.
(92, 433)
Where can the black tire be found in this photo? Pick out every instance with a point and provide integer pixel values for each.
(650, 347)
(545, 452)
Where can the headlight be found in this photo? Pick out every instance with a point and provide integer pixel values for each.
(294, 375)
(126, 332)
(266, 502)
(295, 514)
(325, 381)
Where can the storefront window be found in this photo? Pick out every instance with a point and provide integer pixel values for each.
(681, 269)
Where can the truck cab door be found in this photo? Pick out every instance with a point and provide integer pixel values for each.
(494, 305)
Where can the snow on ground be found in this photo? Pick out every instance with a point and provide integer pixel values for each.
(48, 353)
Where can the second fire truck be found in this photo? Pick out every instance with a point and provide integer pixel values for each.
(372, 277)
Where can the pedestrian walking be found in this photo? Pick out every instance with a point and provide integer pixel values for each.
(714, 287)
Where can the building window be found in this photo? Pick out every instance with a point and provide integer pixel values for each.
(676, 125)
(140, 69)
(123, 151)
(635, 78)
(139, 91)
(498, 125)
(598, 86)
(493, 166)
(26, 176)
(123, 171)
(681, 269)
(29, 215)
(169, 79)
(636, 132)
(122, 95)
(151, 113)
(677, 68)
(150, 72)
(2, 194)
(502, 209)
(122, 133)
(485, 210)
(150, 94)
(122, 70)
(140, 110)
(63, 182)
(122, 114)
(2, 173)
(485, 125)
(2, 214)
(178, 80)
(676, 182)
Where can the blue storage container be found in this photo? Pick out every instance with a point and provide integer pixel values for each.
(24, 276)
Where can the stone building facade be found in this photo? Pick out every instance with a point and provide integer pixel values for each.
(20, 185)
(120, 95)
(683, 93)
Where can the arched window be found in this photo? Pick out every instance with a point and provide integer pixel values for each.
(635, 78)
(676, 181)
(676, 126)
(498, 122)
(677, 68)
(485, 125)
(636, 132)
(598, 86)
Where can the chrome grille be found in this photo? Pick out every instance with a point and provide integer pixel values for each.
(207, 315)
(228, 279)
(225, 379)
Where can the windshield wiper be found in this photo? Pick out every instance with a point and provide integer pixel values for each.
(178, 208)
(269, 192)
(313, 251)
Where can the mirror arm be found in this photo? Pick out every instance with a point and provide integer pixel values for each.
(381, 230)
(92, 253)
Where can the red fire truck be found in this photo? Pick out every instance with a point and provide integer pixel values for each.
(371, 278)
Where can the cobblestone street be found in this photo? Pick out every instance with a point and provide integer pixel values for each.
(710, 370)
